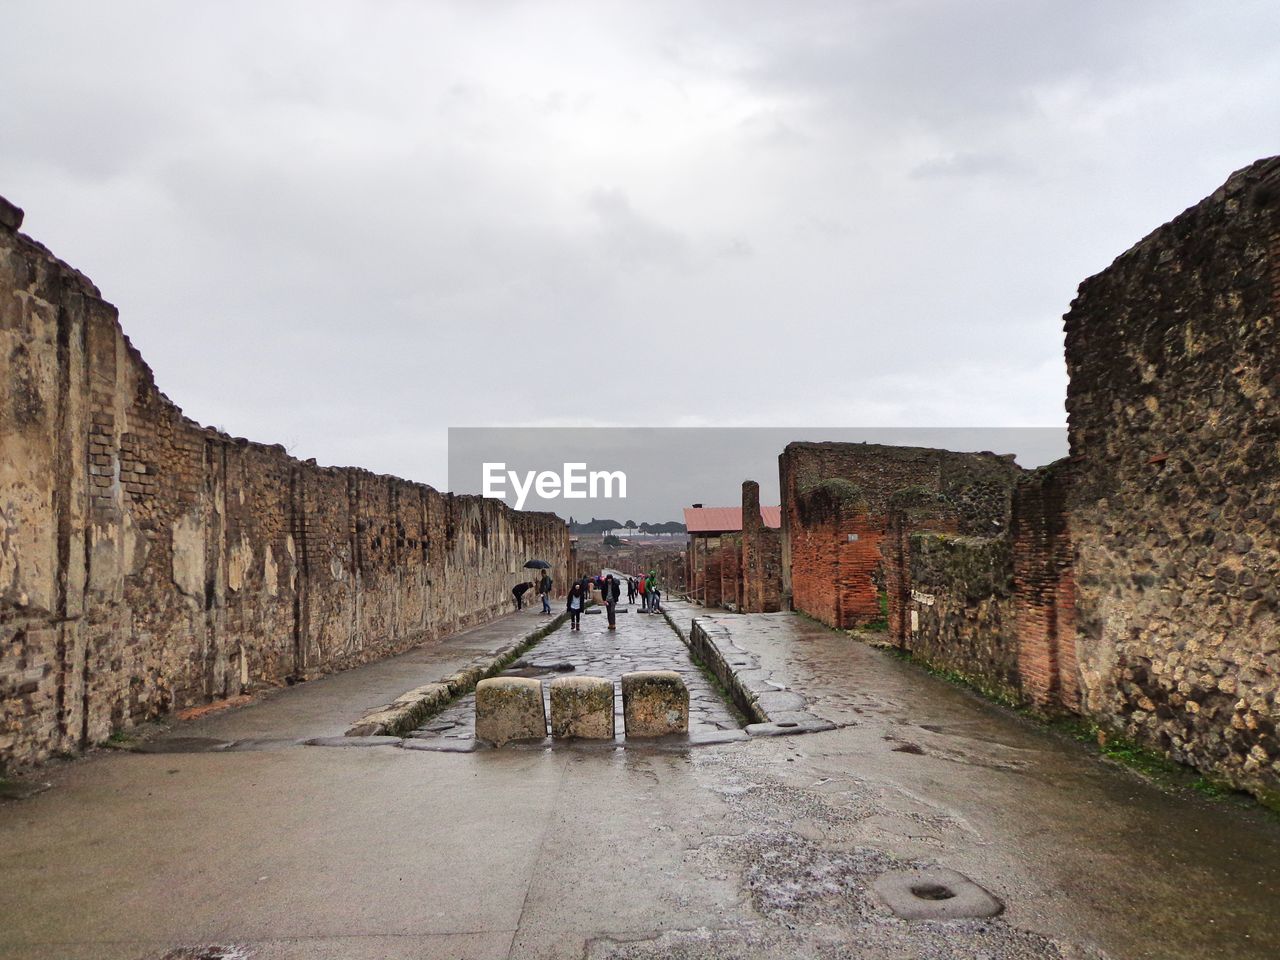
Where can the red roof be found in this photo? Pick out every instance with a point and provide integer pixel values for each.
(726, 519)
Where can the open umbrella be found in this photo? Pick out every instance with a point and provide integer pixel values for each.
(537, 565)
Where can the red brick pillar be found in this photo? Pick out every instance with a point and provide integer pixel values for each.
(1044, 588)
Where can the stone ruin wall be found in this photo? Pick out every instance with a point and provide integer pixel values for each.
(1174, 484)
(761, 556)
(746, 565)
(836, 511)
(962, 594)
(1138, 581)
(148, 564)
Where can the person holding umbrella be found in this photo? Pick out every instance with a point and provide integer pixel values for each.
(544, 582)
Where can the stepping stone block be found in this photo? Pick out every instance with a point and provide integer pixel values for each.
(582, 707)
(654, 703)
(510, 708)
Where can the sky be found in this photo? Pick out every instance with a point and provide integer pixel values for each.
(347, 227)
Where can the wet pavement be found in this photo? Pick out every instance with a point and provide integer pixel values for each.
(642, 641)
(769, 847)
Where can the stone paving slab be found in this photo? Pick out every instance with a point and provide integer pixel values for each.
(641, 642)
(732, 646)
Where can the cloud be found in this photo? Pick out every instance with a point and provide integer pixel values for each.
(350, 225)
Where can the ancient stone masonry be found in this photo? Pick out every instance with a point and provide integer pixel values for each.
(761, 556)
(1173, 499)
(836, 513)
(148, 564)
(1136, 581)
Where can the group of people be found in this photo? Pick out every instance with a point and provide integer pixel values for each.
(610, 588)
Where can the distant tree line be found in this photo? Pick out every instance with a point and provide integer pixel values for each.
(607, 526)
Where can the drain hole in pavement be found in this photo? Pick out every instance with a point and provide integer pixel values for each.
(933, 891)
(787, 723)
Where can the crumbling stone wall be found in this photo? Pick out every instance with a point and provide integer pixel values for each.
(961, 595)
(835, 515)
(910, 511)
(761, 556)
(148, 564)
(1174, 508)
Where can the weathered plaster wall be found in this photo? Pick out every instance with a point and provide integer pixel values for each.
(148, 563)
(1174, 359)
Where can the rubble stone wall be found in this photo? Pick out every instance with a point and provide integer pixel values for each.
(961, 595)
(1174, 506)
(148, 564)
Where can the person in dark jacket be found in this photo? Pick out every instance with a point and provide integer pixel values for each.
(575, 604)
(518, 591)
(544, 588)
(631, 590)
(610, 593)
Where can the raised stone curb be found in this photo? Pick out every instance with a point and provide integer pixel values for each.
(510, 708)
(582, 707)
(353, 742)
(655, 703)
(411, 709)
(773, 710)
(708, 641)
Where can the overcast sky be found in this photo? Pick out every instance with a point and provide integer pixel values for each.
(349, 226)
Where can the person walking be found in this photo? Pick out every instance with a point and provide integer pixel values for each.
(575, 605)
(518, 591)
(544, 588)
(650, 588)
(631, 590)
(611, 592)
(644, 603)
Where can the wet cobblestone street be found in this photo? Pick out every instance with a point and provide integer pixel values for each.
(641, 642)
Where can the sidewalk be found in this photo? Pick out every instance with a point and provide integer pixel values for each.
(328, 706)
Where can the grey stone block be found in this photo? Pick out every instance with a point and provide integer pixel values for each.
(655, 703)
(510, 708)
(582, 707)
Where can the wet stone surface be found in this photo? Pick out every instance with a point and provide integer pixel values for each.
(641, 642)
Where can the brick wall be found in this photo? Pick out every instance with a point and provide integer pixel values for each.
(835, 513)
(730, 554)
(1044, 589)
(148, 563)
